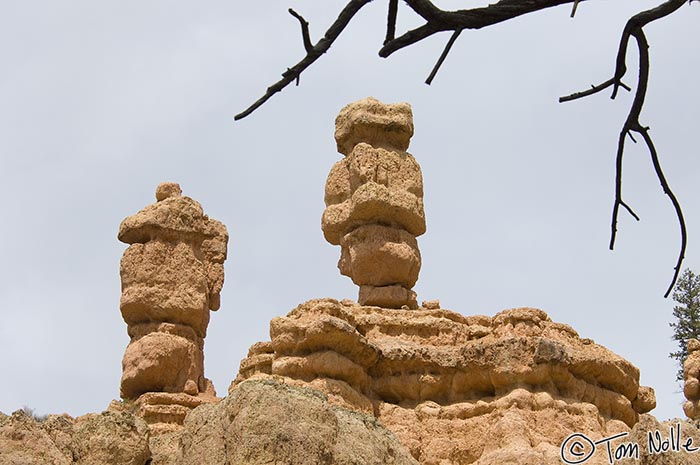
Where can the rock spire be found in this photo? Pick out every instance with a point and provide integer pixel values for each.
(171, 275)
(374, 202)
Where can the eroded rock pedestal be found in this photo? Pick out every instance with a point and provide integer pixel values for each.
(374, 202)
(455, 389)
(171, 275)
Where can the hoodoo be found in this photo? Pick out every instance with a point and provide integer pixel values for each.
(172, 274)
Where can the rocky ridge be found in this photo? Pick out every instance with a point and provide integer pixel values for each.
(455, 389)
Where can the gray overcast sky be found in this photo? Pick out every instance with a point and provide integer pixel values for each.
(101, 101)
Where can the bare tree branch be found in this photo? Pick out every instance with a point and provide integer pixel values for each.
(634, 29)
(592, 90)
(391, 20)
(317, 50)
(438, 20)
(448, 47)
(306, 37)
(676, 206)
(573, 9)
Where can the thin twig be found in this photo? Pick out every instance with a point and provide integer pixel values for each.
(629, 210)
(306, 37)
(618, 188)
(444, 54)
(317, 50)
(592, 90)
(391, 20)
(573, 9)
(676, 206)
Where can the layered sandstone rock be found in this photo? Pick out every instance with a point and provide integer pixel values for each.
(691, 387)
(651, 448)
(507, 389)
(374, 202)
(93, 439)
(454, 389)
(172, 274)
(265, 422)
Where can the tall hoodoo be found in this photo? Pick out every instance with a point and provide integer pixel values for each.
(374, 202)
(171, 274)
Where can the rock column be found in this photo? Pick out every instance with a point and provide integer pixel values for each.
(691, 386)
(374, 202)
(171, 274)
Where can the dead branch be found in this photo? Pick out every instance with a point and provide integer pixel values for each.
(573, 9)
(292, 74)
(437, 20)
(635, 29)
(448, 47)
(391, 20)
(305, 35)
(593, 90)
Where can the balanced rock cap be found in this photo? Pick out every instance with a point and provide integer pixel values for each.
(172, 216)
(373, 122)
(168, 189)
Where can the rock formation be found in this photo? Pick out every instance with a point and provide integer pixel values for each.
(374, 202)
(691, 373)
(382, 381)
(264, 422)
(456, 389)
(661, 431)
(171, 275)
(93, 439)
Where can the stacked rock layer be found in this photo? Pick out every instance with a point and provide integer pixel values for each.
(171, 275)
(374, 202)
(455, 389)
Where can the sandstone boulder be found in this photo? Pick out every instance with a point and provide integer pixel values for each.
(263, 422)
(24, 441)
(660, 432)
(95, 439)
(110, 438)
